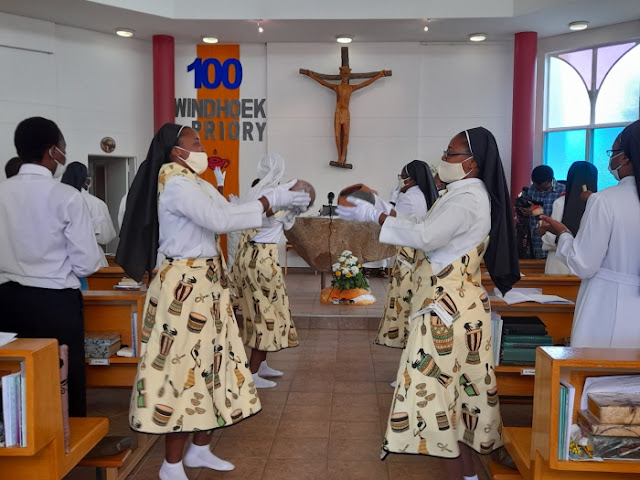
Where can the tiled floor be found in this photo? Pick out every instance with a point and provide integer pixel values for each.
(325, 418)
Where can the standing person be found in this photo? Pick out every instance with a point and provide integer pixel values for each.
(192, 375)
(418, 192)
(582, 181)
(603, 253)
(47, 243)
(12, 167)
(76, 175)
(543, 191)
(267, 325)
(446, 383)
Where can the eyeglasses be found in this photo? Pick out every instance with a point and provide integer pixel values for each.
(453, 154)
(611, 153)
(400, 177)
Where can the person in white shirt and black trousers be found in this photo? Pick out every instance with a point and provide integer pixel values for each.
(47, 243)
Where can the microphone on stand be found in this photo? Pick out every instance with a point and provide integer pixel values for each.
(330, 197)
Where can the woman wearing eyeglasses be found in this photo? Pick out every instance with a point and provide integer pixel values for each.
(604, 254)
(446, 403)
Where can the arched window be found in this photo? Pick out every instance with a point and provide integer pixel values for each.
(591, 95)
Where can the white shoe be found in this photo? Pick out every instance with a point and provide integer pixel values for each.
(260, 382)
(394, 384)
(200, 456)
(172, 471)
(266, 371)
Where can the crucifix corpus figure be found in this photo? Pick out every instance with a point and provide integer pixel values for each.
(343, 91)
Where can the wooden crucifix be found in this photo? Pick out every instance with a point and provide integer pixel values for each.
(343, 91)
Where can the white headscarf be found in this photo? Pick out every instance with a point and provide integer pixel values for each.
(270, 172)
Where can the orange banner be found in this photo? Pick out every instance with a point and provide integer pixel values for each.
(222, 146)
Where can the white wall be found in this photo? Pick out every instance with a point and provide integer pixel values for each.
(93, 85)
(434, 93)
(573, 41)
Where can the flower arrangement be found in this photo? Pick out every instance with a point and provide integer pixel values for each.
(347, 273)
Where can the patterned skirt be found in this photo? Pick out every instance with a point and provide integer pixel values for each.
(394, 325)
(193, 372)
(267, 325)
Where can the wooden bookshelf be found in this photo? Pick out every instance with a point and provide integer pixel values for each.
(535, 450)
(44, 457)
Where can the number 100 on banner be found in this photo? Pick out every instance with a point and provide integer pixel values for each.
(210, 73)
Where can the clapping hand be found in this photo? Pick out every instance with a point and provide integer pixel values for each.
(362, 211)
(220, 176)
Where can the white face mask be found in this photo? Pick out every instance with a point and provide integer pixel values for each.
(401, 183)
(197, 161)
(614, 171)
(60, 167)
(452, 172)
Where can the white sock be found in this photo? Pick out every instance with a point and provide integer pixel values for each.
(394, 384)
(172, 471)
(260, 382)
(198, 456)
(475, 477)
(266, 371)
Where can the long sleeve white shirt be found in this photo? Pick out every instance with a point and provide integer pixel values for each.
(191, 215)
(459, 221)
(46, 236)
(100, 218)
(273, 226)
(605, 255)
(553, 265)
(412, 203)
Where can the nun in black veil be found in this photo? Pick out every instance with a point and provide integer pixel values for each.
(446, 399)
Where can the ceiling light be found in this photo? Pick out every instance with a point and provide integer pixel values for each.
(124, 32)
(210, 39)
(426, 28)
(260, 29)
(478, 37)
(344, 39)
(581, 25)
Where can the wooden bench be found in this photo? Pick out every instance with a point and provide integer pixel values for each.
(107, 467)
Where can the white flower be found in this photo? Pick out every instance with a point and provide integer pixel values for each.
(354, 270)
(346, 253)
(341, 259)
(345, 271)
(335, 267)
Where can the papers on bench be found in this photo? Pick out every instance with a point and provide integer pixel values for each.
(521, 295)
(6, 337)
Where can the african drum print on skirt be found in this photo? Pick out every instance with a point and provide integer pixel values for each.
(267, 325)
(446, 390)
(193, 373)
(393, 328)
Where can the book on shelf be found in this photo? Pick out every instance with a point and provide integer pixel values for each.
(566, 416)
(6, 337)
(134, 333)
(537, 340)
(562, 424)
(130, 284)
(496, 336)
(14, 408)
(518, 345)
(615, 408)
(518, 354)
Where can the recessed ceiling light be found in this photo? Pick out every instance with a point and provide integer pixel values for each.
(581, 25)
(478, 37)
(344, 39)
(124, 32)
(426, 28)
(210, 39)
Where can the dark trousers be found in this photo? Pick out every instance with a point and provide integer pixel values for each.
(34, 312)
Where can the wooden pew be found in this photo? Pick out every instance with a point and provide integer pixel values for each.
(518, 381)
(527, 266)
(566, 286)
(106, 278)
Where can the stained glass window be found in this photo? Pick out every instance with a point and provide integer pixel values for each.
(591, 95)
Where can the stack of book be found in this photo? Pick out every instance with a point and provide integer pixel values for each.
(612, 422)
(520, 338)
(130, 284)
(14, 409)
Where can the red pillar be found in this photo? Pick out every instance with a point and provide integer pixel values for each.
(163, 81)
(524, 109)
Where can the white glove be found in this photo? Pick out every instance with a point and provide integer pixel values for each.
(362, 211)
(220, 176)
(394, 195)
(383, 205)
(281, 198)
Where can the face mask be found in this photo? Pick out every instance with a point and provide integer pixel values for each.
(60, 168)
(452, 172)
(401, 183)
(614, 171)
(197, 161)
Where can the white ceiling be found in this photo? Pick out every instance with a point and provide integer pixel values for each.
(548, 18)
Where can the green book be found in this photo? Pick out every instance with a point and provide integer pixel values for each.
(537, 339)
(520, 345)
(519, 354)
(562, 423)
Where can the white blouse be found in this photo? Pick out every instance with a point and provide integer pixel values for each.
(273, 226)
(412, 203)
(191, 215)
(458, 222)
(100, 218)
(46, 236)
